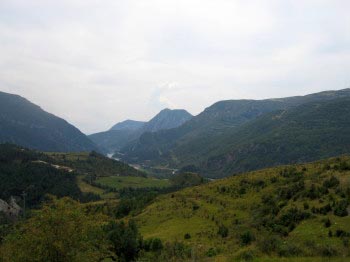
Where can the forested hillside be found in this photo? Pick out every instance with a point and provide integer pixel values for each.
(238, 136)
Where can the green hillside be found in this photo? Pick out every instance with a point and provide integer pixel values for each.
(23, 170)
(306, 133)
(283, 212)
(270, 136)
(60, 174)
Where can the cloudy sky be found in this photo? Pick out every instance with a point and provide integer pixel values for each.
(97, 62)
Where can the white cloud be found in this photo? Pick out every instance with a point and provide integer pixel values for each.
(98, 62)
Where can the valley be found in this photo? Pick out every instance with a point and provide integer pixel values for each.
(247, 180)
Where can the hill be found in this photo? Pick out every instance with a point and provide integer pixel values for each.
(125, 132)
(26, 124)
(209, 139)
(60, 174)
(286, 211)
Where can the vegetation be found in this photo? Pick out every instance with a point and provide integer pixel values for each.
(238, 136)
(22, 170)
(187, 179)
(119, 182)
(94, 164)
(60, 231)
(279, 212)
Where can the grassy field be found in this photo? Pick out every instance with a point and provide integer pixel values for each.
(277, 212)
(119, 182)
(87, 188)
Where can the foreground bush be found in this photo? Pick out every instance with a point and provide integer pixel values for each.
(60, 231)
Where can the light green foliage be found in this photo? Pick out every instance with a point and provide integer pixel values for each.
(277, 212)
(132, 182)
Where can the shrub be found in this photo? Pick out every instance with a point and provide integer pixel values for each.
(247, 255)
(270, 244)
(223, 231)
(327, 223)
(340, 208)
(328, 251)
(195, 207)
(332, 182)
(187, 236)
(212, 252)
(247, 238)
(289, 250)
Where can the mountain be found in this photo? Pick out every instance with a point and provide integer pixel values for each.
(214, 139)
(113, 140)
(128, 125)
(125, 132)
(26, 124)
(267, 215)
(166, 119)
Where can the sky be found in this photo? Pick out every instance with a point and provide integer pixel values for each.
(98, 62)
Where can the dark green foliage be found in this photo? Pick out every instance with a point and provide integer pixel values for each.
(331, 183)
(247, 238)
(153, 245)
(95, 165)
(328, 251)
(212, 252)
(26, 124)
(21, 170)
(186, 179)
(340, 208)
(327, 223)
(125, 239)
(223, 231)
(187, 236)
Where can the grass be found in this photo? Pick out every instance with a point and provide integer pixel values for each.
(236, 202)
(119, 182)
(87, 188)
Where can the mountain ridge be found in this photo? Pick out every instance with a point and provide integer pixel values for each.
(201, 134)
(27, 124)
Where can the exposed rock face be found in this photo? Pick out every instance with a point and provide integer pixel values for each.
(11, 209)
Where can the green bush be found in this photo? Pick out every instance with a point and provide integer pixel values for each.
(247, 238)
(223, 231)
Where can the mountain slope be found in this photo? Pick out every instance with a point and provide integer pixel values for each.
(166, 119)
(113, 140)
(287, 211)
(125, 132)
(211, 134)
(26, 124)
(306, 133)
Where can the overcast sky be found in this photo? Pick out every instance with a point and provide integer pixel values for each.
(97, 62)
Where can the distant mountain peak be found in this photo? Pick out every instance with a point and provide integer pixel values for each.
(167, 119)
(128, 125)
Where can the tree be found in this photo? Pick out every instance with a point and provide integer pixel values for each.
(61, 231)
(125, 239)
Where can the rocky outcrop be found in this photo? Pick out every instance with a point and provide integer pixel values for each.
(11, 209)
